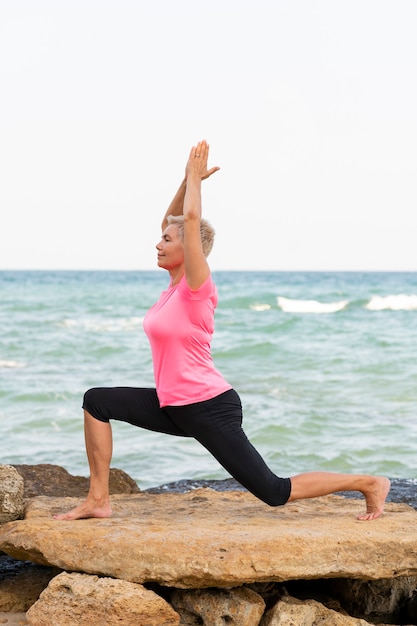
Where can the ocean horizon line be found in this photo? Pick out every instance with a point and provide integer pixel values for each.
(215, 270)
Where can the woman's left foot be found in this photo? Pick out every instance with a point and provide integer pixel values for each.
(375, 497)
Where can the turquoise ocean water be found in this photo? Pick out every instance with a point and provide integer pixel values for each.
(325, 363)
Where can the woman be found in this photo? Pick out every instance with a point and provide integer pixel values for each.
(192, 398)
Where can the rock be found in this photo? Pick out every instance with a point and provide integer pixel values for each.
(53, 480)
(83, 600)
(216, 607)
(11, 494)
(374, 600)
(209, 539)
(21, 583)
(292, 612)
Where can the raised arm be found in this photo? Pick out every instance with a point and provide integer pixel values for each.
(196, 266)
(177, 203)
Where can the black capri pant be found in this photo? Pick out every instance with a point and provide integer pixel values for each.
(215, 423)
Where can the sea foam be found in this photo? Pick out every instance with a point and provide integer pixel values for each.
(11, 364)
(260, 307)
(401, 302)
(310, 306)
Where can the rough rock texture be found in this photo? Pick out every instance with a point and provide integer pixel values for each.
(82, 600)
(11, 494)
(292, 612)
(53, 480)
(374, 600)
(209, 539)
(217, 607)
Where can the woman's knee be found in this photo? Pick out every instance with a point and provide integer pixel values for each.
(279, 495)
(93, 405)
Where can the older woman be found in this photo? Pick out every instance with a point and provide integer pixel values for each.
(192, 398)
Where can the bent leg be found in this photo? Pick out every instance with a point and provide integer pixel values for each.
(99, 445)
(138, 406)
(216, 424)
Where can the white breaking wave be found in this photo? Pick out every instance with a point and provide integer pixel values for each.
(11, 364)
(401, 302)
(260, 307)
(310, 306)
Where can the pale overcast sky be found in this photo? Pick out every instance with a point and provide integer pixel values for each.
(309, 107)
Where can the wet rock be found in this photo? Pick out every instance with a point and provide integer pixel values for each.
(21, 583)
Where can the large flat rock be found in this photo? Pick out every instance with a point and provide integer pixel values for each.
(209, 539)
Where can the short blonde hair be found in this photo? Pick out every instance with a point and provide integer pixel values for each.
(207, 232)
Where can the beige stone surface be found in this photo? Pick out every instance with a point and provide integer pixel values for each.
(83, 600)
(209, 539)
(292, 612)
(11, 494)
(217, 607)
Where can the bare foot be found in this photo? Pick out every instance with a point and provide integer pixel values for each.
(375, 499)
(88, 508)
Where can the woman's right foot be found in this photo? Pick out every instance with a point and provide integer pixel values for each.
(88, 508)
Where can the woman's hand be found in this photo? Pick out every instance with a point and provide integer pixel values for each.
(197, 168)
(197, 162)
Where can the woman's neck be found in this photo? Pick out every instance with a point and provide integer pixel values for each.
(176, 276)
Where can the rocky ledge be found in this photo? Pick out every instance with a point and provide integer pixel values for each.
(214, 558)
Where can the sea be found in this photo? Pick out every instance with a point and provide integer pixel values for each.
(325, 364)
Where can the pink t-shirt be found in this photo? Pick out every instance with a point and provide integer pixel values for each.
(179, 328)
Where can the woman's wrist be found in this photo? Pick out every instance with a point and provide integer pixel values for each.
(193, 177)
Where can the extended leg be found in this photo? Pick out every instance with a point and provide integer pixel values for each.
(99, 446)
(313, 484)
(216, 424)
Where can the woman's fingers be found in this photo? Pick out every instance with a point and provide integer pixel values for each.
(198, 158)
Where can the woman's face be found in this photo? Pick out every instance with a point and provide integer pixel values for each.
(170, 248)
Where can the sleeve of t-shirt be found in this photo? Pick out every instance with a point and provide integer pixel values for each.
(204, 291)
